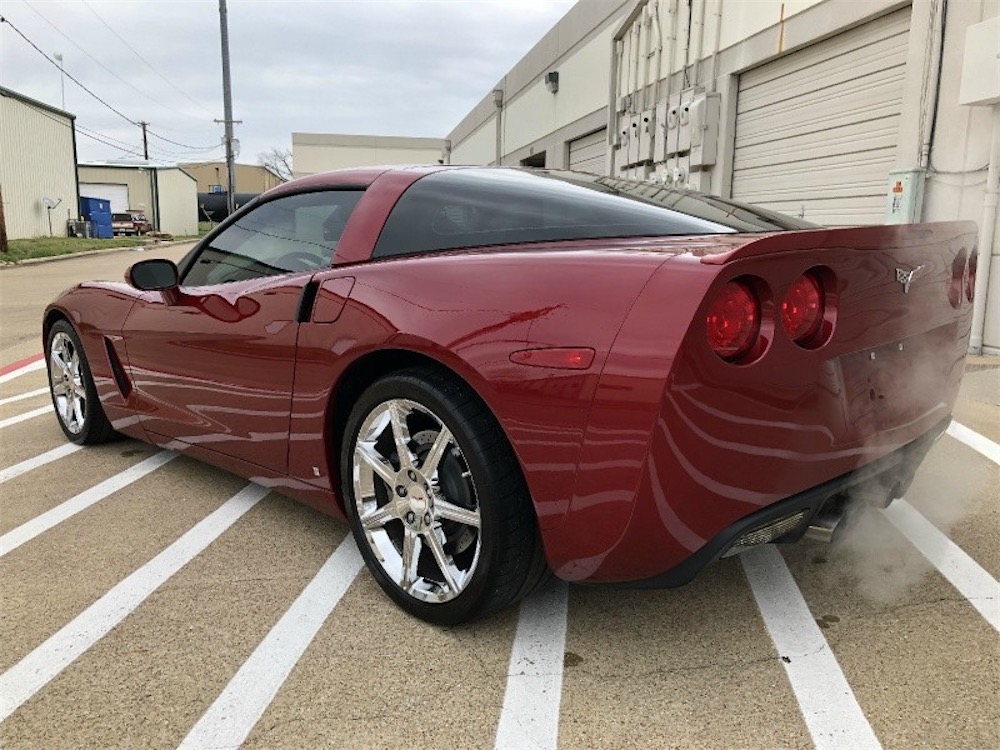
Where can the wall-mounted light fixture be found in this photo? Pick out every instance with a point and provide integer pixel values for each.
(552, 81)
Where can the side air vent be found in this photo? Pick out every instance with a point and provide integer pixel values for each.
(121, 379)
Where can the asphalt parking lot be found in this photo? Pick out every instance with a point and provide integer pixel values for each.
(152, 601)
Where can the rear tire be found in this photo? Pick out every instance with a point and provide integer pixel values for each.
(436, 499)
(71, 385)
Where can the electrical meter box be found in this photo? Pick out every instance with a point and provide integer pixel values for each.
(660, 141)
(673, 124)
(684, 121)
(647, 135)
(703, 116)
(633, 138)
(905, 196)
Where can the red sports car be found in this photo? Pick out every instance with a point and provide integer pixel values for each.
(495, 373)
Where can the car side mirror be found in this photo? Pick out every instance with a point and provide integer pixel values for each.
(153, 275)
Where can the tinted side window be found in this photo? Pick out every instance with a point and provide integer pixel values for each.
(295, 233)
(475, 208)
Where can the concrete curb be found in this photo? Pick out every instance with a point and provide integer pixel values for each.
(89, 253)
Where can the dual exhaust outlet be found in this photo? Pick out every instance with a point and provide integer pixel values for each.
(831, 517)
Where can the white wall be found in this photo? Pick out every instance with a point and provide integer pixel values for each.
(178, 204)
(322, 152)
(37, 160)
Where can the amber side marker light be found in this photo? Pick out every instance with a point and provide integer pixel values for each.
(733, 321)
(802, 309)
(559, 358)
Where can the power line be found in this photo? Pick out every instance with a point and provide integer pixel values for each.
(148, 64)
(125, 117)
(68, 75)
(105, 67)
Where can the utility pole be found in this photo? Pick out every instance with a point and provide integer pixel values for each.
(62, 78)
(227, 102)
(145, 142)
(498, 103)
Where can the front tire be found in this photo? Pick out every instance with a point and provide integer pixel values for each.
(436, 499)
(71, 385)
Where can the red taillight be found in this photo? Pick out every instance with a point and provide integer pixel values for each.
(802, 309)
(733, 321)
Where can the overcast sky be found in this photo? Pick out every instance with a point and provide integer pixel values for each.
(384, 67)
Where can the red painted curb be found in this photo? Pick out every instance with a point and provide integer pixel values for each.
(19, 364)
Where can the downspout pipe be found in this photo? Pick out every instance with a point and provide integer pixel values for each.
(987, 230)
(718, 43)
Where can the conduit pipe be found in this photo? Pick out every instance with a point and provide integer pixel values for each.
(987, 230)
(718, 44)
(700, 41)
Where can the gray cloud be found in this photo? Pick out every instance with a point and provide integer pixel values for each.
(388, 67)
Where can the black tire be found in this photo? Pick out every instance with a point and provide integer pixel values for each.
(509, 561)
(94, 426)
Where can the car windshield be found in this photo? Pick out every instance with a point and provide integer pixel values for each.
(474, 207)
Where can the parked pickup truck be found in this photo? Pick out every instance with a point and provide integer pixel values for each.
(123, 224)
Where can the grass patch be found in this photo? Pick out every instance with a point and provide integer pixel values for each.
(47, 247)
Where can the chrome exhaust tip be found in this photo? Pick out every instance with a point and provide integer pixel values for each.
(824, 525)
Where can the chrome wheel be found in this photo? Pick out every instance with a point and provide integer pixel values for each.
(66, 379)
(416, 500)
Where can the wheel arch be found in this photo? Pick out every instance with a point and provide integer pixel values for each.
(366, 370)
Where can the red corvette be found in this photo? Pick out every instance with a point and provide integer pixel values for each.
(494, 373)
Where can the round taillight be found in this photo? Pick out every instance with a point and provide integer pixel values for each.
(802, 308)
(970, 278)
(733, 321)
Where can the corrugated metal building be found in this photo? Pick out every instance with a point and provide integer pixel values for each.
(831, 110)
(164, 192)
(250, 178)
(322, 152)
(37, 161)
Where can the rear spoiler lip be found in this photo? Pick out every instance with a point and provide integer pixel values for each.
(873, 237)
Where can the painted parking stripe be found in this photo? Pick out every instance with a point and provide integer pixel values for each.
(233, 715)
(25, 416)
(529, 719)
(965, 574)
(39, 524)
(40, 460)
(830, 710)
(23, 396)
(22, 367)
(35, 670)
(974, 440)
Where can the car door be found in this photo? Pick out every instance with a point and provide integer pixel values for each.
(213, 361)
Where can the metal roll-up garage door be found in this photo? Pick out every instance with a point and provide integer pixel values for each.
(816, 130)
(117, 194)
(587, 154)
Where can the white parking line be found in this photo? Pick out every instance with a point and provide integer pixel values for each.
(29, 530)
(974, 440)
(529, 719)
(38, 364)
(40, 460)
(828, 706)
(23, 396)
(233, 715)
(35, 670)
(965, 574)
(25, 417)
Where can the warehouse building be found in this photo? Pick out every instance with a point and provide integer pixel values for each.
(249, 178)
(322, 152)
(37, 167)
(164, 192)
(838, 111)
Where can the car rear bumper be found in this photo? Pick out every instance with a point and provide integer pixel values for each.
(877, 483)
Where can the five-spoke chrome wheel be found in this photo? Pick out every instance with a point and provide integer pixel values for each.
(66, 378)
(416, 500)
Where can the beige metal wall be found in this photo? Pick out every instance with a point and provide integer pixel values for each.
(37, 160)
(178, 202)
(250, 178)
(322, 152)
(138, 179)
